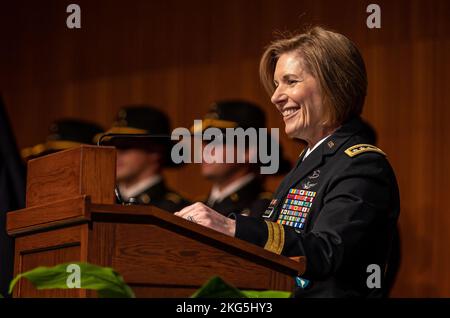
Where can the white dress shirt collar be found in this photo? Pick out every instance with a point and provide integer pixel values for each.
(308, 151)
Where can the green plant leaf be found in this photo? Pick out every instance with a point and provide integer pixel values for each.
(104, 280)
(216, 287)
(267, 294)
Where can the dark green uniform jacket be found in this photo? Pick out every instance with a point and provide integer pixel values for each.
(339, 208)
(251, 200)
(160, 196)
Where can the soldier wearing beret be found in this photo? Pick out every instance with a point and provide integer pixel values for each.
(339, 205)
(141, 135)
(64, 134)
(236, 187)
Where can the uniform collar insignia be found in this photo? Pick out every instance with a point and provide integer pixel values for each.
(234, 197)
(342, 134)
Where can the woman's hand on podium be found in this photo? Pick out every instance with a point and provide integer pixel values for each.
(202, 214)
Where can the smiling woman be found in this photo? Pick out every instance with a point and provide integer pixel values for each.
(328, 59)
(298, 97)
(340, 204)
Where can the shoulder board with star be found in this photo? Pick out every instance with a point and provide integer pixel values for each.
(362, 148)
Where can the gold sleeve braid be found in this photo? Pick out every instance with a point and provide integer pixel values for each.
(275, 237)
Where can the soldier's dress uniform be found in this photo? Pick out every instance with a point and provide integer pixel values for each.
(339, 208)
(251, 199)
(160, 196)
(153, 129)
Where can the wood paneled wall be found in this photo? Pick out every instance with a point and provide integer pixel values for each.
(182, 55)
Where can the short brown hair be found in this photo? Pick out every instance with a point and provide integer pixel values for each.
(333, 60)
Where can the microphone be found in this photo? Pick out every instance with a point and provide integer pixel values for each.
(128, 137)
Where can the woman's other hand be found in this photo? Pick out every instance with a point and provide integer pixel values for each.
(202, 214)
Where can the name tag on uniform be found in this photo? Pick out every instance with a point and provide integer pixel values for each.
(296, 206)
(269, 211)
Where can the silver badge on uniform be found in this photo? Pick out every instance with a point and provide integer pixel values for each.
(269, 211)
(308, 185)
(315, 174)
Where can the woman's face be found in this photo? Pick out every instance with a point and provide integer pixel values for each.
(298, 97)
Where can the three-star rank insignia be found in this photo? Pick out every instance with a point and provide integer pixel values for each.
(296, 207)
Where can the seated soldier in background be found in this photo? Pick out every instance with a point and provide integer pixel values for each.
(143, 152)
(236, 187)
(63, 134)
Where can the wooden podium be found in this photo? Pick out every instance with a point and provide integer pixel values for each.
(70, 215)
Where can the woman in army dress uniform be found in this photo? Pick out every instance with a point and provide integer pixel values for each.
(340, 203)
